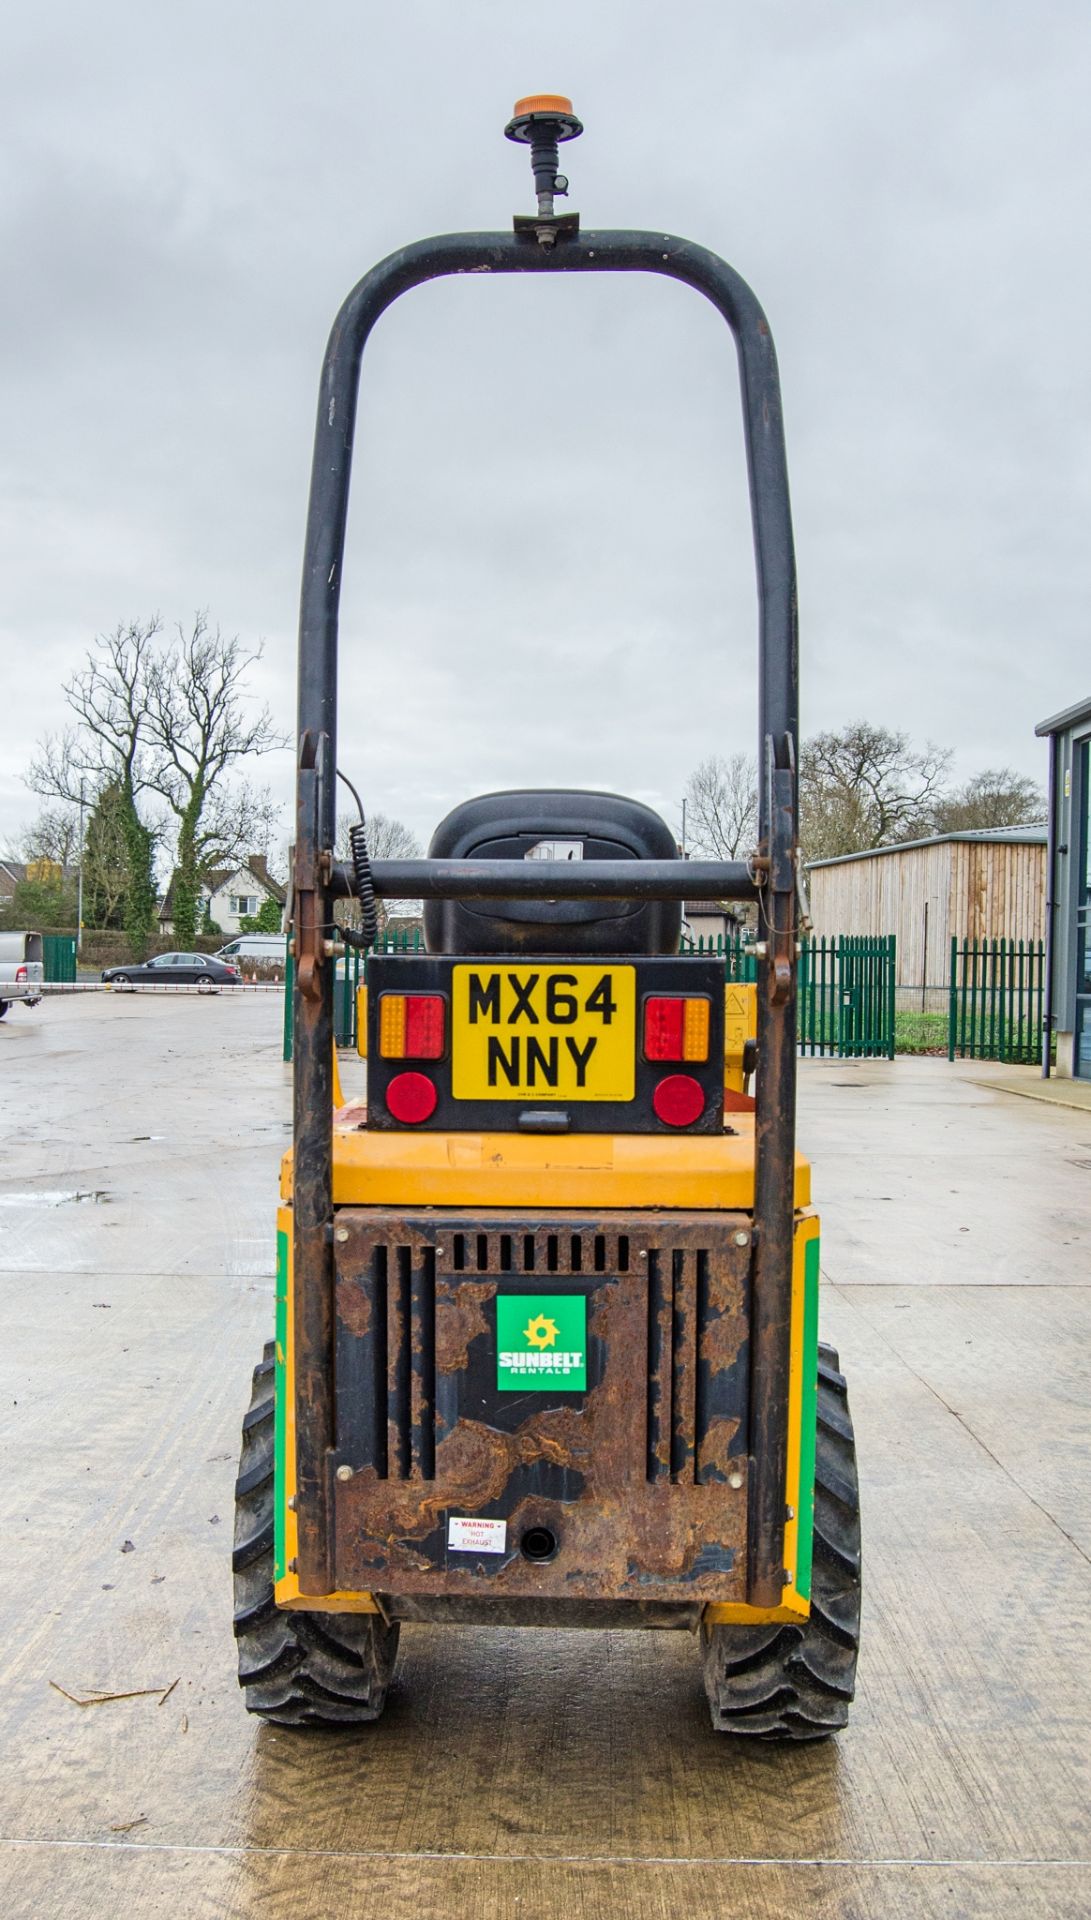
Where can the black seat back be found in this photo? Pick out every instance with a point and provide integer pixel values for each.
(588, 826)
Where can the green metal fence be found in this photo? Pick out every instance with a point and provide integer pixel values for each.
(997, 1000)
(59, 956)
(738, 957)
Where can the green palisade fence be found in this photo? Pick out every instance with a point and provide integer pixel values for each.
(59, 956)
(997, 1000)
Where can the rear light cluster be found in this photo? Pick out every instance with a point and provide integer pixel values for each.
(20, 976)
(676, 1028)
(412, 1026)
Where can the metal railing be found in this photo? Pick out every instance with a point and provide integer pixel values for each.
(996, 1000)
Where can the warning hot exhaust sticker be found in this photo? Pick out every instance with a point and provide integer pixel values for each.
(541, 1342)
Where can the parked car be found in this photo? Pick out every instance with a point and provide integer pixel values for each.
(21, 969)
(203, 970)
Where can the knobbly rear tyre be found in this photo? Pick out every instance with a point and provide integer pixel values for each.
(297, 1669)
(784, 1682)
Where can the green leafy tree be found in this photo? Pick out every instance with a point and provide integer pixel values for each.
(106, 861)
(44, 900)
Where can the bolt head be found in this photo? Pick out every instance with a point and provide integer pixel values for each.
(742, 1239)
(734, 1481)
(341, 1233)
(293, 1566)
(345, 1472)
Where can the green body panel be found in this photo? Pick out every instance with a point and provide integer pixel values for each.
(808, 1418)
(279, 1419)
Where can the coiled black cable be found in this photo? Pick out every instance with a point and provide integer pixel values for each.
(362, 880)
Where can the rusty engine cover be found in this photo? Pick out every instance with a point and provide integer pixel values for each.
(639, 1477)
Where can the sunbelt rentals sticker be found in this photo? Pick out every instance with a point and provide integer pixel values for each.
(541, 1342)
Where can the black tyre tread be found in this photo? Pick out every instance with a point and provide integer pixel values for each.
(787, 1682)
(298, 1669)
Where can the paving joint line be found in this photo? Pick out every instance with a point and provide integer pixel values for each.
(240, 1850)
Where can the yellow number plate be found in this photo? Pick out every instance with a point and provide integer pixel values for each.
(543, 1033)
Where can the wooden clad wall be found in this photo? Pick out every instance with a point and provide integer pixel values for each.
(974, 889)
(886, 893)
(998, 892)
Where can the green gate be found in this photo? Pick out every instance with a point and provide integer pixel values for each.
(59, 957)
(997, 1000)
(846, 996)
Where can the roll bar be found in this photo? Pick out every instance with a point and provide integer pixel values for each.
(551, 245)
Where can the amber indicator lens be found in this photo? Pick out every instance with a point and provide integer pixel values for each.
(676, 1028)
(412, 1026)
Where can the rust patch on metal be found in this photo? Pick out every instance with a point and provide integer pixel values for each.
(354, 1305)
(461, 1321)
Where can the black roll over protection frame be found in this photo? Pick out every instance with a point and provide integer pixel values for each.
(546, 242)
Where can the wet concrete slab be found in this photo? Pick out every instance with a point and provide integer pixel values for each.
(523, 1773)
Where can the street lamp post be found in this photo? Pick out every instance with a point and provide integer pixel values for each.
(79, 879)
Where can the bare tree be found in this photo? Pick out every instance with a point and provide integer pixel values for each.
(107, 745)
(866, 786)
(722, 807)
(996, 797)
(198, 730)
(387, 839)
(52, 837)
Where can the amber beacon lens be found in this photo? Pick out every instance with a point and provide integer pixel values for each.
(541, 103)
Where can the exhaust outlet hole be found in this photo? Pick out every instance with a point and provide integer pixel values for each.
(538, 1543)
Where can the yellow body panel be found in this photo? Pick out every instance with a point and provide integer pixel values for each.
(587, 1170)
(287, 1589)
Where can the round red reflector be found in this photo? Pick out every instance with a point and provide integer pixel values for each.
(678, 1100)
(411, 1098)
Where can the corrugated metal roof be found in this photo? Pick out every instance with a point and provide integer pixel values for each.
(1034, 836)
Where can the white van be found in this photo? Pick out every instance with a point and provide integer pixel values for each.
(256, 946)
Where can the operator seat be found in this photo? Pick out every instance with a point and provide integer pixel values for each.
(566, 826)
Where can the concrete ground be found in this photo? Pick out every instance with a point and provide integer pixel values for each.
(520, 1773)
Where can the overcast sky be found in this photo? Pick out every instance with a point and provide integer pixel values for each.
(190, 191)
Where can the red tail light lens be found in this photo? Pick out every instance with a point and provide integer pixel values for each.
(676, 1028)
(20, 976)
(412, 1026)
(411, 1098)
